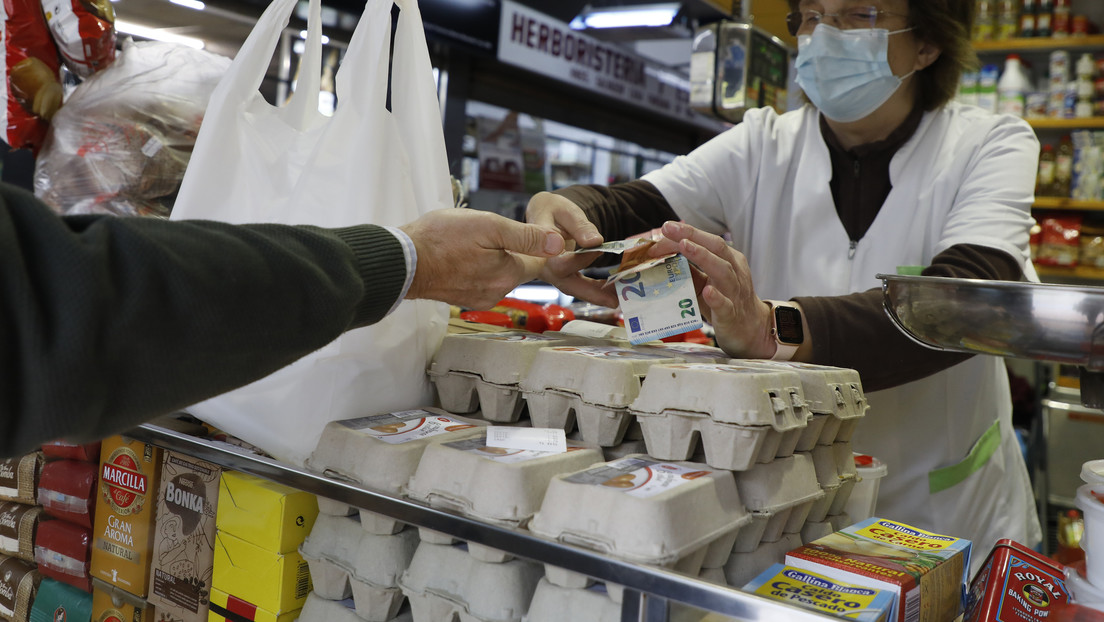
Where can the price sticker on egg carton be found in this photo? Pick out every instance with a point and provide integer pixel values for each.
(656, 294)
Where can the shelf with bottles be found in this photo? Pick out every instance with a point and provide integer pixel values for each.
(1039, 44)
(999, 22)
(1068, 245)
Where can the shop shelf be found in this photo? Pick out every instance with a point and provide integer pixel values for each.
(649, 590)
(1084, 273)
(1066, 203)
(1039, 44)
(1088, 123)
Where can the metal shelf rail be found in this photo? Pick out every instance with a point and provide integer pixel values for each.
(649, 591)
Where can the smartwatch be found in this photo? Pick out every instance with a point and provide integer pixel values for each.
(786, 329)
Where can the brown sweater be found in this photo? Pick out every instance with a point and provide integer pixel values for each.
(860, 184)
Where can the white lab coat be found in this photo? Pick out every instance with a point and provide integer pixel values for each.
(965, 177)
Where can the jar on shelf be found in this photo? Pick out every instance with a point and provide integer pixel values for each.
(985, 24)
(1080, 26)
(1008, 19)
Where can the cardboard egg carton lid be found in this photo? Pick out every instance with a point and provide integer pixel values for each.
(552, 603)
(829, 390)
(369, 558)
(641, 509)
(744, 396)
(489, 592)
(779, 484)
(499, 358)
(492, 483)
(690, 352)
(602, 375)
(382, 451)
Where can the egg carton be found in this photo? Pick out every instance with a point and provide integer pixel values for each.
(713, 575)
(444, 582)
(381, 452)
(839, 521)
(346, 561)
(815, 530)
(318, 609)
(492, 484)
(588, 386)
(689, 352)
(835, 397)
(680, 515)
(743, 567)
(552, 603)
(779, 496)
(742, 415)
(848, 475)
(481, 371)
(824, 462)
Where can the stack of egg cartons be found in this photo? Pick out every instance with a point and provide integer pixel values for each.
(483, 371)
(775, 425)
(363, 557)
(679, 515)
(494, 485)
(588, 386)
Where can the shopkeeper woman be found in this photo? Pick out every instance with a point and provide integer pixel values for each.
(880, 169)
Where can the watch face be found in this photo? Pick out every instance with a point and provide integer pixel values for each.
(787, 321)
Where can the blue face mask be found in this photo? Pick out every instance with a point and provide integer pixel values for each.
(845, 73)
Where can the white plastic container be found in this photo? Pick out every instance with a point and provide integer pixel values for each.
(591, 386)
(552, 603)
(481, 371)
(1082, 592)
(445, 581)
(834, 396)
(381, 452)
(677, 515)
(346, 561)
(864, 496)
(779, 496)
(742, 415)
(1090, 500)
(1092, 472)
(743, 567)
(318, 609)
(500, 486)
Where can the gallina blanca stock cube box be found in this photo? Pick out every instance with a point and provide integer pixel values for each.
(926, 571)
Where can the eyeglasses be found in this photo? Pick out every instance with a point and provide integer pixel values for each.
(847, 19)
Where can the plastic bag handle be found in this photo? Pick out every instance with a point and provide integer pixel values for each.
(303, 104)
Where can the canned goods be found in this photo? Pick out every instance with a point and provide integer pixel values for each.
(1016, 583)
(1080, 26)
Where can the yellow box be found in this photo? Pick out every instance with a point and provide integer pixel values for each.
(222, 603)
(278, 582)
(111, 604)
(272, 516)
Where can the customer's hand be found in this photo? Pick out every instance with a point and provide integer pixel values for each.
(723, 280)
(552, 210)
(473, 259)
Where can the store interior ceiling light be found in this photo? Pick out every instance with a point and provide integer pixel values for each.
(632, 16)
(158, 34)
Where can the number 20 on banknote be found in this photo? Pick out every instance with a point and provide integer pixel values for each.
(658, 301)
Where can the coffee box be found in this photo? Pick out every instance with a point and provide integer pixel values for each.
(272, 581)
(122, 533)
(184, 541)
(58, 602)
(110, 604)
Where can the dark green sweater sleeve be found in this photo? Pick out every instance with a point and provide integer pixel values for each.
(106, 322)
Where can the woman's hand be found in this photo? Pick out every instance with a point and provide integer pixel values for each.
(552, 210)
(723, 281)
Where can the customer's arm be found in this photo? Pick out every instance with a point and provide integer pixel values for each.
(106, 322)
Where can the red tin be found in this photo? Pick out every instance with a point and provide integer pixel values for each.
(1016, 584)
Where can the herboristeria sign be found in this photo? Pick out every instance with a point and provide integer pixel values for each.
(543, 45)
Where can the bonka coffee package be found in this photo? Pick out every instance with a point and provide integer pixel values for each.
(18, 524)
(19, 478)
(18, 584)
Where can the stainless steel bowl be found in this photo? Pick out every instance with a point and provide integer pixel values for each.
(1041, 321)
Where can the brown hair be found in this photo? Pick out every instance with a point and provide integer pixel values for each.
(946, 24)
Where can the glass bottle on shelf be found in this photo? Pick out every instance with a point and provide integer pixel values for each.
(985, 22)
(1044, 181)
(1027, 19)
(1008, 19)
(1043, 18)
(1063, 167)
(1061, 22)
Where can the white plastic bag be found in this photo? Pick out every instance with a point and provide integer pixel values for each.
(254, 162)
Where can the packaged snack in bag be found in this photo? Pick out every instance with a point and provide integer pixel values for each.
(31, 67)
(84, 32)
